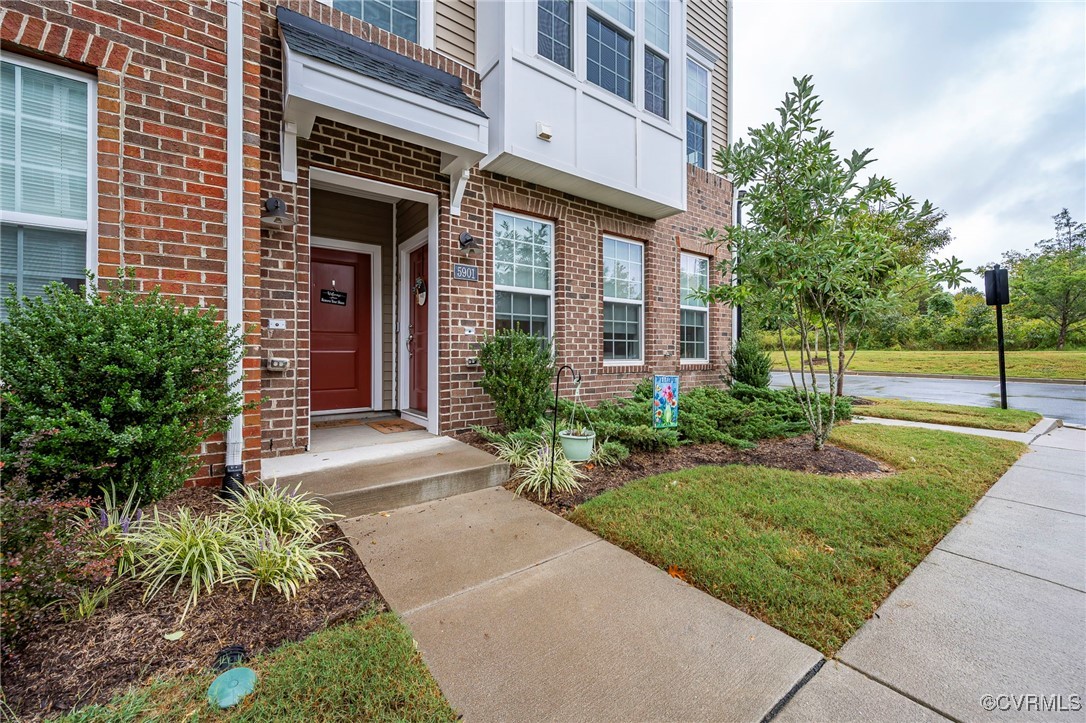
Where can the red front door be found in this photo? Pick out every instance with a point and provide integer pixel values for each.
(418, 335)
(340, 334)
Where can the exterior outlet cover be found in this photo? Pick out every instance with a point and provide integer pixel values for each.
(473, 361)
(277, 323)
(543, 131)
(277, 364)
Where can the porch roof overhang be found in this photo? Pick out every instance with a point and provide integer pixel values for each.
(335, 75)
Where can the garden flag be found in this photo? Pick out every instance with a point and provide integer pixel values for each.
(665, 401)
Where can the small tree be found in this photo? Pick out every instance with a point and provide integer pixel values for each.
(132, 383)
(1050, 284)
(750, 363)
(821, 251)
(517, 372)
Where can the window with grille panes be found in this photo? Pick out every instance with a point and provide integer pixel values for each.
(657, 46)
(693, 312)
(623, 300)
(399, 17)
(555, 22)
(523, 273)
(46, 176)
(610, 46)
(697, 114)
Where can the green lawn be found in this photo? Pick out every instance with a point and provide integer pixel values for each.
(1008, 420)
(367, 670)
(810, 555)
(1035, 364)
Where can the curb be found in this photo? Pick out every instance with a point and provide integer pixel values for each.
(1043, 427)
(911, 375)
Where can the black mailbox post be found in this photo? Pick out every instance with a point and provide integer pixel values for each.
(997, 292)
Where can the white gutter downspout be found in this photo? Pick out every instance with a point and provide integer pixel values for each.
(234, 477)
(730, 85)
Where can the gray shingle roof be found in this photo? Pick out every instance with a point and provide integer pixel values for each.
(310, 37)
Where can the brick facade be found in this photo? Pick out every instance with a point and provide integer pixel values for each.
(161, 207)
(160, 71)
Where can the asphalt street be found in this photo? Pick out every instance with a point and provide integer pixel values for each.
(1063, 401)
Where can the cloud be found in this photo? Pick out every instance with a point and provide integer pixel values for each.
(980, 107)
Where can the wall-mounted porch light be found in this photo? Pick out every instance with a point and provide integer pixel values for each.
(469, 245)
(274, 214)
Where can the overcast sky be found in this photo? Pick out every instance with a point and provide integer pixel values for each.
(978, 106)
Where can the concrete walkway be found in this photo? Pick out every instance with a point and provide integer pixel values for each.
(522, 616)
(1038, 430)
(997, 609)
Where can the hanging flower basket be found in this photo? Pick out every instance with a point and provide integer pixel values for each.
(577, 444)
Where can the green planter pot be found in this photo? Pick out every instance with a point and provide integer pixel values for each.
(577, 448)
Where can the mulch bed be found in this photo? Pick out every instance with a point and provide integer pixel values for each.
(67, 664)
(795, 453)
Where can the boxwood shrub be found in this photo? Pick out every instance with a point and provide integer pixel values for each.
(131, 383)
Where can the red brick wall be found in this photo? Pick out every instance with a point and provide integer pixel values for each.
(579, 226)
(161, 205)
(161, 125)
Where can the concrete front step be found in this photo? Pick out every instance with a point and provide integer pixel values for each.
(363, 480)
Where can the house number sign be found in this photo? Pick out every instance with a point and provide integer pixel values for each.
(464, 272)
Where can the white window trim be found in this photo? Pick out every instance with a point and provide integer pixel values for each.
(676, 79)
(89, 225)
(641, 19)
(704, 64)
(689, 307)
(549, 293)
(636, 35)
(533, 29)
(640, 303)
(426, 22)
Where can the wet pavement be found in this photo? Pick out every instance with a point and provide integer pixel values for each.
(1063, 401)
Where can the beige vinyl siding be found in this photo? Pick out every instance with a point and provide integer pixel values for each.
(411, 217)
(350, 218)
(707, 21)
(454, 30)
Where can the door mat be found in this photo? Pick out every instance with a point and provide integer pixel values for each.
(391, 426)
(331, 423)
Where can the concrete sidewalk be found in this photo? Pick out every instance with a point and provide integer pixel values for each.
(1038, 430)
(997, 609)
(522, 616)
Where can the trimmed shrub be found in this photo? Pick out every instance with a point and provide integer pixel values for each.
(50, 552)
(738, 416)
(517, 373)
(133, 383)
(750, 363)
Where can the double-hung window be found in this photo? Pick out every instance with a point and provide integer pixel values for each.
(697, 114)
(657, 43)
(523, 273)
(610, 46)
(693, 312)
(46, 176)
(399, 17)
(623, 300)
(555, 18)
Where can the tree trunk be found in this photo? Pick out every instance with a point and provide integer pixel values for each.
(1063, 336)
(841, 372)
